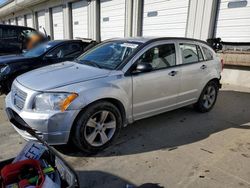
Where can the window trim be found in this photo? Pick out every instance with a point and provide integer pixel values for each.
(198, 47)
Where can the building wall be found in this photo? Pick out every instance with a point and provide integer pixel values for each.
(199, 17)
(202, 15)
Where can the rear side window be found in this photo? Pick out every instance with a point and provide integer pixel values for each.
(191, 53)
(9, 33)
(208, 54)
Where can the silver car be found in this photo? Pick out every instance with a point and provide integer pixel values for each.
(114, 84)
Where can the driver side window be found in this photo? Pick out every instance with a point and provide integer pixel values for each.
(66, 51)
(160, 57)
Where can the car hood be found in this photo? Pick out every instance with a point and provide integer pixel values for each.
(59, 75)
(6, 59)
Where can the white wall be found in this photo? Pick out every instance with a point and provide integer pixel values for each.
(200, 24)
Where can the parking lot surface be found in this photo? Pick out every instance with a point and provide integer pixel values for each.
(181, 148)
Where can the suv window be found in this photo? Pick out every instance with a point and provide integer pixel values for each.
(9, 33)
(190, 54)
(1, 33)
(208, 54)
(162, 56)
(66, 51)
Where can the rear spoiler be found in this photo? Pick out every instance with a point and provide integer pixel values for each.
(91, 42)
(217, 44)
(85, 39)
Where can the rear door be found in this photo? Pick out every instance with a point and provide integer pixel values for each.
(193, 68)
(156, 91)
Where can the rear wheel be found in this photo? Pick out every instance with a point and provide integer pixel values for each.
(208, 97)
(97, 127)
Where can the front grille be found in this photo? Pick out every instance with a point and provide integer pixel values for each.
(18, 97)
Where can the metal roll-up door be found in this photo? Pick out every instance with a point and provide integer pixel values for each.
(41, 20)
(80, 19)
(233, 22)
(58, 27)
(20, 20)
(167, 18)
(112, 18)
(29, 20)
(12, 21)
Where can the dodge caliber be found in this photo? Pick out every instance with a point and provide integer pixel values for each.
(89, 100)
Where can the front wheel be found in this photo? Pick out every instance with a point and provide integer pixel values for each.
(97, 127)
(207, 98)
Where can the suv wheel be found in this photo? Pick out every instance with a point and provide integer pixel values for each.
(208, 97)
(97, 127)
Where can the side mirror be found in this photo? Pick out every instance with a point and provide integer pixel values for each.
(144, 67)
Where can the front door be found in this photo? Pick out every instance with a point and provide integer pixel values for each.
(156, 91)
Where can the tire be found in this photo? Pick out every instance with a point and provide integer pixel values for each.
(207, 98)
(91, 127)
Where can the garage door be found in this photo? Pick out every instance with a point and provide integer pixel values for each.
(12, 22)
(20, 20)
(29, 21)
(41, 20)
(112, 18)
(80, 19)
(165, 18)
(57, 17)
(233, 23)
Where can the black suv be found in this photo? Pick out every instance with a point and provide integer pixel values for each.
(14, 39)
(44, 54)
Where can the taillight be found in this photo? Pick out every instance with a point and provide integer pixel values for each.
(222, 64)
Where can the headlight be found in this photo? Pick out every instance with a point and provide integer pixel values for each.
(5, 70)
(53, 101)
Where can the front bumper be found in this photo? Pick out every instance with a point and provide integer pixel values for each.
(52, 127)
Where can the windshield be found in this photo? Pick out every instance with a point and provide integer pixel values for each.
(108, 55)
(37, 51)
(29, 33)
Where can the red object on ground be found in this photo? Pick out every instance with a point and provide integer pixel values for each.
(11, 172)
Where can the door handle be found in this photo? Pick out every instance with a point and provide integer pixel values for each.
(203, 67)
(172, 73)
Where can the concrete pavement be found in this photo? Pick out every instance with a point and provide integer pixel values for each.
(181, 148)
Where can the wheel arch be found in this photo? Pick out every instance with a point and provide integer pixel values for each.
(216, 80)
(113, 101)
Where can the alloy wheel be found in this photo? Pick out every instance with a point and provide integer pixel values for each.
(100, 128)
(209, 97)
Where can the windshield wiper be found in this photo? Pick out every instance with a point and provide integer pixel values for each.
(87, 62)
